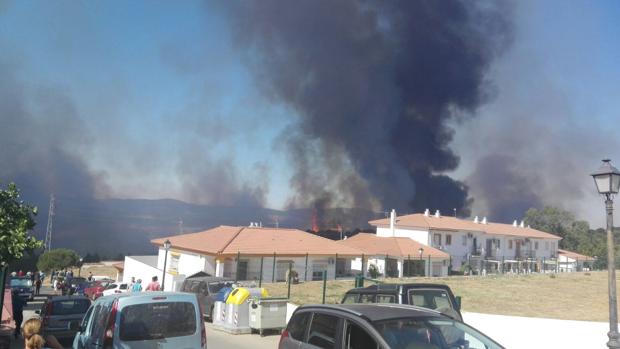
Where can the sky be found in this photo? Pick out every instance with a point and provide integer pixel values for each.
(226, 103)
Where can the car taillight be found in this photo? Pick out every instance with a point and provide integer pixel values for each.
(282, 337)
(109, 330)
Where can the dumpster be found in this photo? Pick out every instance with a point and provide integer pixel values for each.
(219, 313)
(233, 318)
(241, 294)
(268, 314)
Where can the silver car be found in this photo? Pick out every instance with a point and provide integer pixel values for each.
(58, 312)
(163, 320)
(374, 326)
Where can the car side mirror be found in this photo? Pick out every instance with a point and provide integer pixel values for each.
(37, 312)
(458, 303)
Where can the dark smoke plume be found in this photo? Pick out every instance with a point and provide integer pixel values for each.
(374, 84)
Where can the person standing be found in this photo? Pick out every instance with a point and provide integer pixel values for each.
(133, 282)
(137, 287)
(18, 310)
(90, 276)
(37, 284)
(153, 285)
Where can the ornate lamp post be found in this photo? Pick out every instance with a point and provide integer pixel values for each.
(166, 248)
(607, 180)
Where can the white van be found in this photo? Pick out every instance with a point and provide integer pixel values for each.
(163, 320)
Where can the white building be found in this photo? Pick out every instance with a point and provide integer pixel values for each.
(477, 244)
(245, 253)
(397, 256)
(573, 261)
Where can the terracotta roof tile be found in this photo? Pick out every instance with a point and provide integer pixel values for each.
(575, 255)
(372, 244)
(419, 220)
(228, 240)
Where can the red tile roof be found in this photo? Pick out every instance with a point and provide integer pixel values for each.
(226, 240)
(575, 255)
(401, 247)
(419, 220)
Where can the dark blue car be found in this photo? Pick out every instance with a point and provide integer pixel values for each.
(24, 287)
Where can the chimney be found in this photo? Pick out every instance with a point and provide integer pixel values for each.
(514, 224)
(522, 225)
(427, 213)
(484, 220)
(476, 220)
(392, 221)
(437, 214)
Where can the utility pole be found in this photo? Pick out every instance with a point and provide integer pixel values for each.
(50, 224)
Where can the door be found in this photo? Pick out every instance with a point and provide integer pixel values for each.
(242, 270)
(79, 340)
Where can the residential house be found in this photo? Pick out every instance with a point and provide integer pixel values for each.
(478, 244)
(570, 261)
(397, 256)
(248, 253)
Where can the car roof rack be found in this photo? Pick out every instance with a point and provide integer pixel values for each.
(337, 307)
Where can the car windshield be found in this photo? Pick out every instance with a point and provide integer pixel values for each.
(157, 320)
(21, 283)
(432, 333)
(430, 298)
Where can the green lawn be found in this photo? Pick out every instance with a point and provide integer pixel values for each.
(574, 296)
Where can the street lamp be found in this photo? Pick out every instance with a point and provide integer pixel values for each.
(420, 251)
(81, 262)
(607, 180)
(166, 248)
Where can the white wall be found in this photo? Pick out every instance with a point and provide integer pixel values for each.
(418, 235)
(139, 270)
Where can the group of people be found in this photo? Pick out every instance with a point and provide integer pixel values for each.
(136, 286)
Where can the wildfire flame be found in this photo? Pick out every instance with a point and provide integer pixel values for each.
(315, 225)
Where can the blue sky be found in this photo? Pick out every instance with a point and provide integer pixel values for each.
(162, 91)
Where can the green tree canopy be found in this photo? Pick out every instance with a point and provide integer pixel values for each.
(16, 221)
(60, 258)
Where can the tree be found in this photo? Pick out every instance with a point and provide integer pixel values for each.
(16, 221)
(558, 222)
(58, 259)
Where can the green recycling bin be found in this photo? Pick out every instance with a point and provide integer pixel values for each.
(359, 281)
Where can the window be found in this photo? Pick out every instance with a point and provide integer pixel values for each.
(358, 338)
(70, 307)
(386, 298)
(98, 323)
(367, 298)
(350, 298)
(158, 320)
(297, 326)
(448, 240)
(427, 298)
(510, 244)
(437, 239)
(536, 245)
(84, 322)
(323, 331)
(464, 240)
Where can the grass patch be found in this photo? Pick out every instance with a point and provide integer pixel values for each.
(570, 296)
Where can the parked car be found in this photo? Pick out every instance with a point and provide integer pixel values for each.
(24, 287)
(372, 326)
(75, 282)
(206, 288)
(58, 312)
(96, 290)
(81, 287)
(163, 320)
(115, 288)
(432, 296)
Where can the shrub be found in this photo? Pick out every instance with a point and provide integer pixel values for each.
(373, 271)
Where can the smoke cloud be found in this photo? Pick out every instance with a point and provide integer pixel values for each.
(375, 84)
